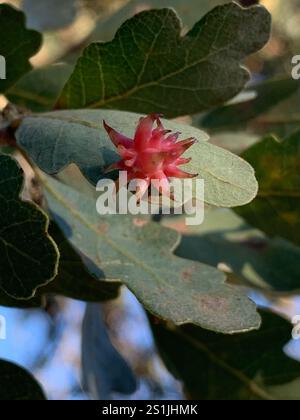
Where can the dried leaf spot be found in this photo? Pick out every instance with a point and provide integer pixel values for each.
(103, 228)
(212, 303)
(188, 273)
(139, 222)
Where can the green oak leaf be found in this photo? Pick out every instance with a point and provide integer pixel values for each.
(260, 262)
(139, 253)
(189, 13)
(267, 95)
(39, 89)
(55, 140)
(28, 255)
(276, 209)
(150, 67)
(98, 352)
(16, 384)
(283, 119)
(10, 302)
(17, 45)
(251, 366)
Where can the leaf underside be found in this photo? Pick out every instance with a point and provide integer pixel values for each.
(55, 140)
(139, 253)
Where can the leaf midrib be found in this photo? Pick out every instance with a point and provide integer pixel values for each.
(157, 82)
(251, 385)
(77, 215)
(95, 126)
(26, 94)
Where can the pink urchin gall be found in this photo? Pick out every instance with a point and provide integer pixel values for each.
(153, 155)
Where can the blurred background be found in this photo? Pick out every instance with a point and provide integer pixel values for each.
(48, 341)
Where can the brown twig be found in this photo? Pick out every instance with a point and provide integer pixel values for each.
(10, 120)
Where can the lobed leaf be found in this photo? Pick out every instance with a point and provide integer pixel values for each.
(251, 366)
(55, 140)
(28, 255)
(139, 253)
(276, 209)
(259, 262)
(39, 89)
(17, 45)
(267, 95)
(16, 384)
(149, 67)
(188, 12)
(98, 352)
